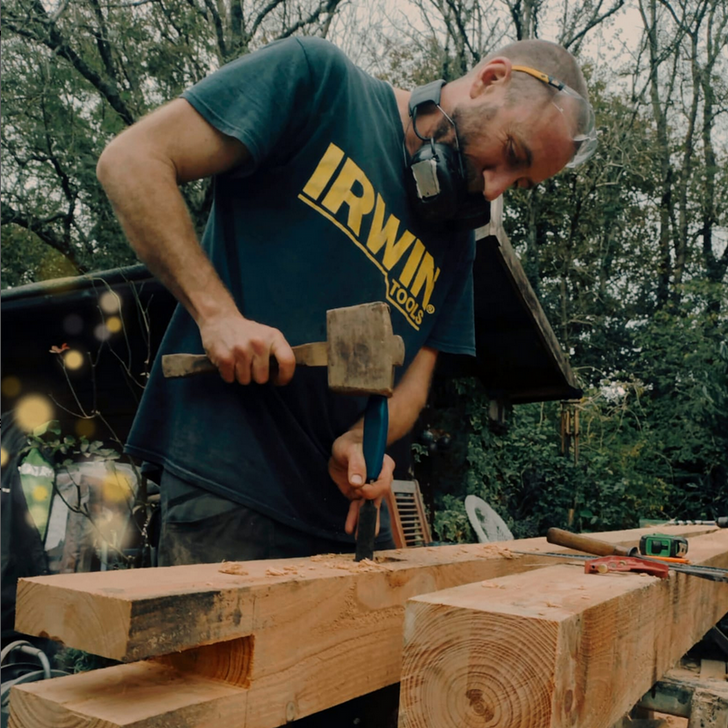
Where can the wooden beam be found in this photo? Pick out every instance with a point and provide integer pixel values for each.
(555, 648)
(135, 614)
(298, 635)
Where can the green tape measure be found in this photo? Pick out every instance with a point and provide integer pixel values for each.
(659, 544)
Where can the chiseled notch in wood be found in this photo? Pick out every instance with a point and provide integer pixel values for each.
(229, 662)
(554, 648)
(138, 695)
(187, 689)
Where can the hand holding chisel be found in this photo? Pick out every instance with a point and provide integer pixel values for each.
(376, 426)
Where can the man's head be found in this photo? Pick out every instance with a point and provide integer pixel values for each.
(522, 114)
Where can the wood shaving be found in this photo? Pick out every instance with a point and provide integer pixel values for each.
(551, 604)
(276, 572)
(232, 567)
(495, 551)
(491, 585)
(363, 565)
(323, 557)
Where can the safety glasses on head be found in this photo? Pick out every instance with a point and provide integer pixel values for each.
(576, 108)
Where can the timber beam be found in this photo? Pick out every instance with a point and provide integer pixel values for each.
(266, 641)
(555, 648)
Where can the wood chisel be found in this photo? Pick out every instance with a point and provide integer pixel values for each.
(376, 427)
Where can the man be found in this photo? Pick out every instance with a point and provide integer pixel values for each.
(312, 159)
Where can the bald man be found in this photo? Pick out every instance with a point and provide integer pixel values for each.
(331, 188)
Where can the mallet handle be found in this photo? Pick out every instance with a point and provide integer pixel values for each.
(580, 542)
(188, 365)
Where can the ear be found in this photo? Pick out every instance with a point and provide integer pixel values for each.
(492, 75)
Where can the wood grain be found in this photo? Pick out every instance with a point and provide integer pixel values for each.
(295, 636)
(555, 648)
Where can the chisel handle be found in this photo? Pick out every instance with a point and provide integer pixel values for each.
(580, 542)
(376, 427)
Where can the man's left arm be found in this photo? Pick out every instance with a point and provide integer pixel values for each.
(347, 466)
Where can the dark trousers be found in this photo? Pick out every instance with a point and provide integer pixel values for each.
(201, 528)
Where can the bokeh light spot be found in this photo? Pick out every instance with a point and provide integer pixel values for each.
(3, 457)
(32, 411)
(40, 493)
(110, 302)
(102, 333)
(11, 386)
(73, 359)
(116, 488)
(113, 324)
(85, 428)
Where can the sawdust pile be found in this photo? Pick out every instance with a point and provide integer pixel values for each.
(501, 551)
(347, 563)
(233, 567)
(290, 570)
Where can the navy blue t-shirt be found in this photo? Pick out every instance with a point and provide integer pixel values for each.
(318, 219)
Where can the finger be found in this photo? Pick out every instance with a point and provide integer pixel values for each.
(383, 484)
(242, 370)
(225, 367)
(260, 368)
(352, 517)
(357, 470)
(285, 359)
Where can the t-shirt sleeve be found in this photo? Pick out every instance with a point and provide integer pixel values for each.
(454, 330)
(263, 99)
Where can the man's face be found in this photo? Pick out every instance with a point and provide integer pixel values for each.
(509, 145)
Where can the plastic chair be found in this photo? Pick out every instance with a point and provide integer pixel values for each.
(486, 523)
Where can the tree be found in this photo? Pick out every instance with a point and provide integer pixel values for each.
(76, 74)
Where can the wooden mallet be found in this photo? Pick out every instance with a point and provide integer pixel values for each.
(360, 352)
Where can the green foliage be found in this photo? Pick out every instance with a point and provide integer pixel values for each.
(657, 450)
(64, 450)
(451, 521)
(75, 75)
(73, 660)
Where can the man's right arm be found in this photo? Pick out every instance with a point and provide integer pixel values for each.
(140, 171)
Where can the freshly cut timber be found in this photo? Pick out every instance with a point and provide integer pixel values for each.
(266, 642)
(554, 648)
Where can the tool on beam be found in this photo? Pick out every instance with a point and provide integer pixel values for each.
(580, 542)
(721, 522)
(360, 352)
(607, 564)
(661, 545)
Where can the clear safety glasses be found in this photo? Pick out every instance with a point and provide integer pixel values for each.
(575, 107)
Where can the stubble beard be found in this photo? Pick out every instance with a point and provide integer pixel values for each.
(470, 124)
